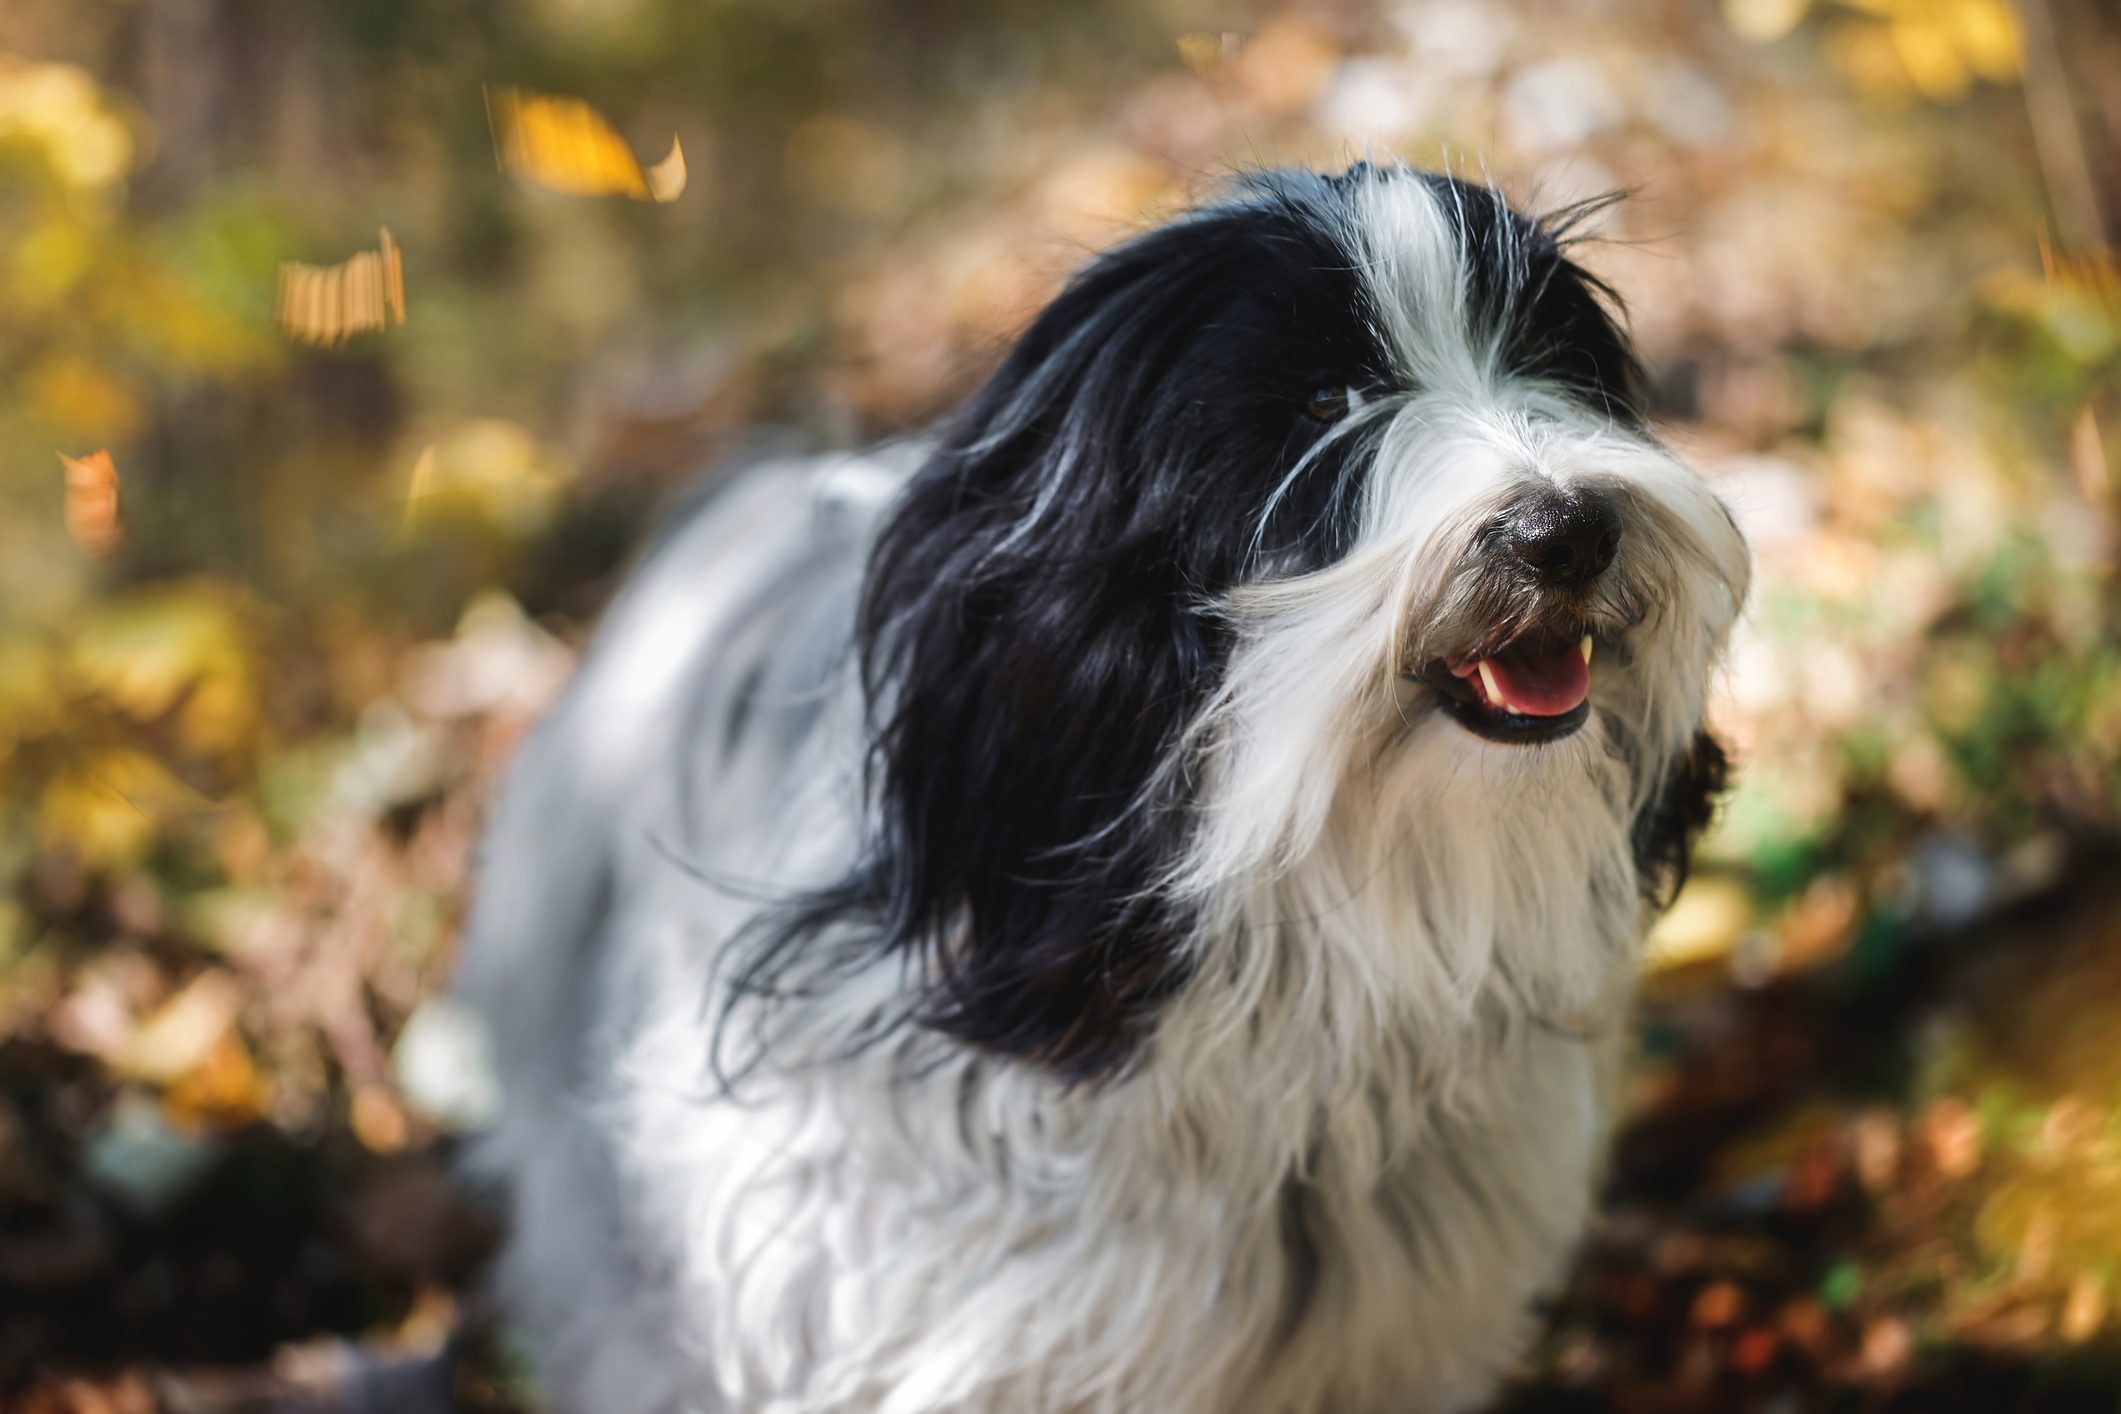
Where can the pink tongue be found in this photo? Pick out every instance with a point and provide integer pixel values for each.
(1542, 683)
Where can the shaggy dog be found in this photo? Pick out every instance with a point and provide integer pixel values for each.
(1128, 904)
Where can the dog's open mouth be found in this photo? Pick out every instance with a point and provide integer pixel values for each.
(1536, 688)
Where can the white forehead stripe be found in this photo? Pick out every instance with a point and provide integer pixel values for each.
(1413, 260)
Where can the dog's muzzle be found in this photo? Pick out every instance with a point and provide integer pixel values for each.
(1525, 677)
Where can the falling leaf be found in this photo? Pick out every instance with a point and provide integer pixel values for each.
(328, 304)
(666, 179)
(92, 502)
(565, 145)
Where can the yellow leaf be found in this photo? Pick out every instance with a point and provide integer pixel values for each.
(109, 807)
(564, 145)
(173, 648)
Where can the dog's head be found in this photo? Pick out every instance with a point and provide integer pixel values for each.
(1324, 512)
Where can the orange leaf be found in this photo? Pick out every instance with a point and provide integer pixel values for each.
(328, 304)
(92, 502)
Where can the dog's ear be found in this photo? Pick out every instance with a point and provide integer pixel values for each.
(1032, 648)
(1666, 829)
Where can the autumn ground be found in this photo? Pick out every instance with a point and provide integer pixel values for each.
(261, 661)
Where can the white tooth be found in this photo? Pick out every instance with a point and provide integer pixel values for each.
(1585, 649)
(1487, 680)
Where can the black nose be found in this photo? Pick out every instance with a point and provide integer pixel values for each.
(1565, 538)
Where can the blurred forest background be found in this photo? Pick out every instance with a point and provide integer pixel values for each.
(259, 665)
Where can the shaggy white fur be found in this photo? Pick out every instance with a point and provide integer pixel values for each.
(1364, 1133)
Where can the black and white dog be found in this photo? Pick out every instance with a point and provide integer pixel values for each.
(1129, 905)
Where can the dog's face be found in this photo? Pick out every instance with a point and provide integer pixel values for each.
(1340, 483)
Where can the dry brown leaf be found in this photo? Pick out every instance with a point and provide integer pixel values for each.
(328, 304)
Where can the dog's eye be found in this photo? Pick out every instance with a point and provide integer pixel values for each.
(1332, 402)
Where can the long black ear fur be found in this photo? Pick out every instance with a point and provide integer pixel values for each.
(1033, 643)
(1666, 831)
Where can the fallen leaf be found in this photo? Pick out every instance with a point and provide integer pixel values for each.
(109, 805)
(183, 1031)
(223, 1091)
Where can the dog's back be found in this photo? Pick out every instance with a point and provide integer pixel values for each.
(705, 679)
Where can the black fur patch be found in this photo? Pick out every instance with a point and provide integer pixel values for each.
(1035, 632)
(1553, 314)
(1665, 832)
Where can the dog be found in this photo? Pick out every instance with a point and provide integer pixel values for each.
(1127, 902)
